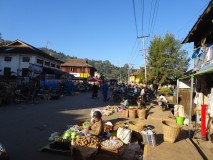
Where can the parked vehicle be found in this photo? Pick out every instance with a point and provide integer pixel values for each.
(32, 98)
(3, 153)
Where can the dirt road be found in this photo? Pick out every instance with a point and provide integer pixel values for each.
(25, 128)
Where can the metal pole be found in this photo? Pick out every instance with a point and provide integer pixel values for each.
(190, 110)
(144, 50)
(177, 94)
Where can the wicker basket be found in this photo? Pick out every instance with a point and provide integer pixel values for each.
(125, 113)
(136, 126)
(112, 147)
(142, 113)
(171, 131)
(132, 113)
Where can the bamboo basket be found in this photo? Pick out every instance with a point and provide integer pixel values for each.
(142, 113)
(132, 113)
(170, 131)
(125, 113)
(136, 126)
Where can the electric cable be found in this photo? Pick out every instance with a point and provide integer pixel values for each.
(135, 18)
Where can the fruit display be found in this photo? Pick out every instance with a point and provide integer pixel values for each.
(86, 141)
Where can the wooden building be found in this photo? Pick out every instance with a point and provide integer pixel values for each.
(79, 68)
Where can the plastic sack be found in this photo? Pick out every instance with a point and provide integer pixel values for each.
(149, 136)
(124, 134)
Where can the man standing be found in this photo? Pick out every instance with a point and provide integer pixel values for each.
(105, 89)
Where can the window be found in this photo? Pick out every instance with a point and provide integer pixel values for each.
(39, 61)
(8, 59)
(47, 63)
(57, 66)
(52, 65)
(7, 71)
(25, 59)
(71, 69)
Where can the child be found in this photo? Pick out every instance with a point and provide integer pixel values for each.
(124, 103)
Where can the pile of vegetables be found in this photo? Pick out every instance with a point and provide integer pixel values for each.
(69, 135)
(86, 141)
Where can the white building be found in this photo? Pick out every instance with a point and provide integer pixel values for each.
(20, 58)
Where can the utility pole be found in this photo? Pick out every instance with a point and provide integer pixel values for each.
(144, 52)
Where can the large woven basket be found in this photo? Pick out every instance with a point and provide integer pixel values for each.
(132, 113)
(142, 113)
(170, 131)
(125, 113)
(136, 126)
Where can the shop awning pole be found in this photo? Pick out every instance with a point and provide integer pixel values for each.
(177, 94)
(190, 109)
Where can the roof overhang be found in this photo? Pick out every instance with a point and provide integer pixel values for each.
(202, 31)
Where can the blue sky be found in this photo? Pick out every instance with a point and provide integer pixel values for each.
(98, 29)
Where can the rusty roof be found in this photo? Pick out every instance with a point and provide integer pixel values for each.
(76, 63)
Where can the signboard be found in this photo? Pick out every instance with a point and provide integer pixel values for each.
(75, 74)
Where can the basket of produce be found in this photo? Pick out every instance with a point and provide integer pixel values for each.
(111, 144)
(170, 131)
(136, 126)
(86, 141)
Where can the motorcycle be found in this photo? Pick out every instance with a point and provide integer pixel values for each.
(3, 153)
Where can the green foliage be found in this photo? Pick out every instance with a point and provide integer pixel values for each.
(166, 60)
(165, 91)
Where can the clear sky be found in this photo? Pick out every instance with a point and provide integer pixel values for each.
(98, 29)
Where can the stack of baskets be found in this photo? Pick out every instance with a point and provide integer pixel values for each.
(171, 131)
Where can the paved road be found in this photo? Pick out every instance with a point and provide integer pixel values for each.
(25, 128)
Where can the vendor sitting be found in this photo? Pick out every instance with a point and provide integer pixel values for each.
(124, 103)
(97, 126)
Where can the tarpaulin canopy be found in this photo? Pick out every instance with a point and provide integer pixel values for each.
(94, 79)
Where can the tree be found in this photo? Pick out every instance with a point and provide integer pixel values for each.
(166, 60)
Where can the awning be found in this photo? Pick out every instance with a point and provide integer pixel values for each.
(205, 70)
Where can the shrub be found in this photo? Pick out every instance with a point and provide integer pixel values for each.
(165, 91)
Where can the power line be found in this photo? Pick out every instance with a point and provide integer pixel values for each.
(133, 55)
(154, 15)
(142, 12)
(135, 18)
